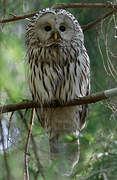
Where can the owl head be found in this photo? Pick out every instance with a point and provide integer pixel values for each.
(53, 27)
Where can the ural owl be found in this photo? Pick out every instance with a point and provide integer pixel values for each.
(59, 69)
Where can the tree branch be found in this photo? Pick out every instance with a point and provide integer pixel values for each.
(16, 18)
(26, 172)
(93, 98)
(34, 145)
(85, 5)
(62, 6)
(90, 25)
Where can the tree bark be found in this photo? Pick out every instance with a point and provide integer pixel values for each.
(93, 98)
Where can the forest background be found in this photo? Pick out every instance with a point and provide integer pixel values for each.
(98, 157)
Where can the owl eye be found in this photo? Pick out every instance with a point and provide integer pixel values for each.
(62, 28)
(48, 28)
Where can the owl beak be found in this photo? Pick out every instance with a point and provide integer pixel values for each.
(55, 36)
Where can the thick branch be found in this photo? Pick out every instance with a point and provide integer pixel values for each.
(82, 100)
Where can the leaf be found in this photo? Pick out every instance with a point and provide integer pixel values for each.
(88, 137)
(69, 138)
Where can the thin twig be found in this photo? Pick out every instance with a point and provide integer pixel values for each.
(17, 18)
(101, 54)
(26, 173)
(93, 98)
(39, 166)
(110, 65)
(5, 154)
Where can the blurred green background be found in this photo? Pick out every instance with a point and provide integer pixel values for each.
(98, 157)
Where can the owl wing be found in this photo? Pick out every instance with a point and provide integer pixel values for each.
(85, 88)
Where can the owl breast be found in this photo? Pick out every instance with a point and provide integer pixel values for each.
(57, 73)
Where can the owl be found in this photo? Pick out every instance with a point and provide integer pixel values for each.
(59, 69)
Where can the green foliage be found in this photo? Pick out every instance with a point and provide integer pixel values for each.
(11, 64)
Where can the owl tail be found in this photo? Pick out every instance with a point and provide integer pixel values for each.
(64, 153)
